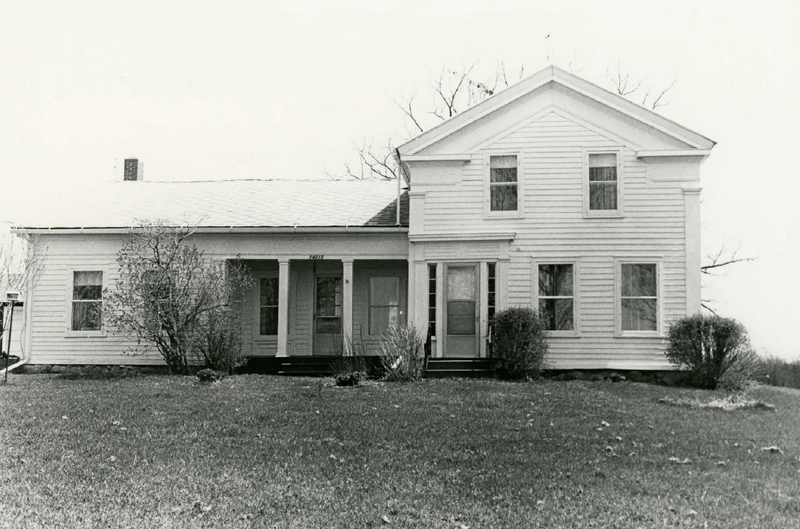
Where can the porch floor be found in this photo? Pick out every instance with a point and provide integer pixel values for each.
(320, 365)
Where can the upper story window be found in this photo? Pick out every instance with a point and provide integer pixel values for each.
(638, 297)
(602, 184)
(87, 300)
(503, 183)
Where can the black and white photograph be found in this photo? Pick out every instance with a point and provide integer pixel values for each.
(402, 264)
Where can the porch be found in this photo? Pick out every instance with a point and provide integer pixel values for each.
(321, 306)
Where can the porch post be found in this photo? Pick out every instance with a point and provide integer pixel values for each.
(283, 308)
(440, 287)
(691, 196)
(347, 304)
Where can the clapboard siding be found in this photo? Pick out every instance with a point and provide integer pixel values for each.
(49, 304)
(553, 228)
(50, 343)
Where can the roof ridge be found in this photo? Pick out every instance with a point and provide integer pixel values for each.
(223, 180)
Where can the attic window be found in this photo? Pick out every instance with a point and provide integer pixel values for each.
(503, 183)
(602, 184)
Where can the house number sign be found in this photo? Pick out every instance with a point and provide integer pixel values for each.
(316, 256)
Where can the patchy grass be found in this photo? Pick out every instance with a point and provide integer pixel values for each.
(731, 402)
(259, 451)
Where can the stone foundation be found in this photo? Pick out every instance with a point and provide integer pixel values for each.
(91, 370)
(666, 378)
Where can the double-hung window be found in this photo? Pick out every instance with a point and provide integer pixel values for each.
(384, 304)
(638, 297)
(87, 301)
(503, 185)
(602, 184)
(268, 306)
(557, 296)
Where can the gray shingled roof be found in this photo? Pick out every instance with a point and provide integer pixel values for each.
(230, 203)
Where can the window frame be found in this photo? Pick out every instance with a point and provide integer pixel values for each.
(487, 187)
(432, 295)
(618, 332)
(604, 213)
(257, 336)
(576, 322)
(69, 333)
(370, 306)
(361, 298)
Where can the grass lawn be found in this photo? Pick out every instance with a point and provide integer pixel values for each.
(260, 451)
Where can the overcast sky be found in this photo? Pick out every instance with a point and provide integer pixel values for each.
(235, 89)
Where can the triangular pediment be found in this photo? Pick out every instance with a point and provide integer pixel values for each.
(554, 90)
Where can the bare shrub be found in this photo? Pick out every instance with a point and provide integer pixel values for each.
(402, 353)
(167, 290)
(348, 366)
(217, 339)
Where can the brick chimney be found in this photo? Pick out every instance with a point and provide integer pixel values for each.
(134, 170)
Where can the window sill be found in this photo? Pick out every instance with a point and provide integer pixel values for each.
(267, 338)
(638, 334)
(603, 216)
(503, 215)
(563, 334)
(85, 334)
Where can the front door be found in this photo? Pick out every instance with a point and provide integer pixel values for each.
(328, 315)
(461, 311)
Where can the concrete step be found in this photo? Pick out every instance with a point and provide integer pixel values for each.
(460, 368)
(459, 373)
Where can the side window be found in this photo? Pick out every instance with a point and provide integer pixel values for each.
(431, 300)
(601, 184)
(491, 281)
(268, 306)
(557, 296)
(87, 301)
(639, 297)
(503, 183)
(384, 304)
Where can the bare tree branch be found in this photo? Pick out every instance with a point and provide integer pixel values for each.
(623, 84)
(448, 93)
(375, 163)
(657, 103)
(502, 69)
(718, 261)
(408, 109)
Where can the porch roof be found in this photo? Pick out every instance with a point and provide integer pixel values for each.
(226, 204)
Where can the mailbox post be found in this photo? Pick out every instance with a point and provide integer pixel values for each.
(12, 298)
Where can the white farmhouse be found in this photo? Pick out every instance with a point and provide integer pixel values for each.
(554, 193)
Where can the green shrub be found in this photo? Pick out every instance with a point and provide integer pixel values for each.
(402, 353)
(715, 350)
(519, 341)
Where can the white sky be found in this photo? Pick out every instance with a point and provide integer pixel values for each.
(235, 89)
